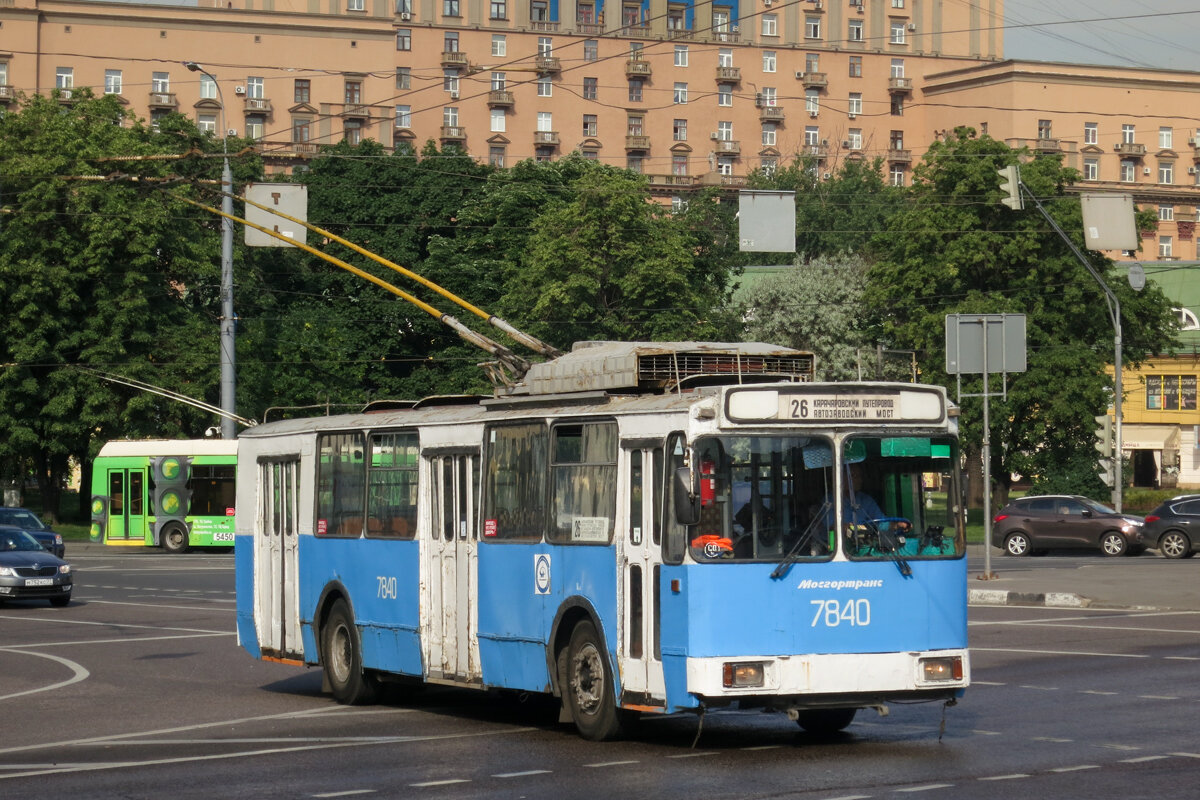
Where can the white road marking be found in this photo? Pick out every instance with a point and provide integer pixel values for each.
(1142, 759)
(1186, 755)
(1013, 777)
(1156, 697)
(438, 783)
(1054, 739)
(346, 793)
(1079, 768)
(125, 641)
(1096, 691)
(111, 625)
(1056, 652)
(927, 787)
(522, 774)
(611, 763)
(693, 755)
(764, 747)
(79, 673)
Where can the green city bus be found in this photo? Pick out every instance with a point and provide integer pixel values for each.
(175, 494)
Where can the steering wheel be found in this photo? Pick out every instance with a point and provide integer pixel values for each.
(891, 533)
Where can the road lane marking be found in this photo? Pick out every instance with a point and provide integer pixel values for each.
(346, 793)
(1058, 652)
(1012, 777)
(125, 641)
(522, 774)
(448, 782)
(694, 755)
(1142, 759)
(612, 763)
(111, 625)
(1079, 768)
(927, 788)
(79, 673)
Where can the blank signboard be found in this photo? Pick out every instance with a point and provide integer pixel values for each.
(965, 336)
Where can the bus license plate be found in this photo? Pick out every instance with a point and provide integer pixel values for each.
(223, 536)
(39, 581)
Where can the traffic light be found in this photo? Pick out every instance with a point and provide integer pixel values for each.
(1010, 184)
(172, 496)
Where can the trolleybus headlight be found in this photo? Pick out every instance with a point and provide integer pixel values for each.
(942, 669)
(739, 675)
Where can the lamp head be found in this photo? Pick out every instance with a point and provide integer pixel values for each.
(192, 66)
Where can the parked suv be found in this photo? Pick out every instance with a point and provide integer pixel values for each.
(1030, 525)
(1174, 527)
(29, 522)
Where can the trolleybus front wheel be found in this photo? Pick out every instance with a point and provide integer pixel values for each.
(341, 659)
(825, 721)
(589, 686)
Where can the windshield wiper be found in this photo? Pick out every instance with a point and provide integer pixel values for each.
(805, 538)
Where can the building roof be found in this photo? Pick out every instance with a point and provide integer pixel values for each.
(1180, 282)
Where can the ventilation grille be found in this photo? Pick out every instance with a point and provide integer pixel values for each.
(678, 367)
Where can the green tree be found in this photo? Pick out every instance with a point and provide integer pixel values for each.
(956, 249)
(98, 271)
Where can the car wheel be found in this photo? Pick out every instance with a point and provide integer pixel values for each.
(826, 721)
(1113, 544)
(175, 539)
(61, 600)
(341, 659)
(1017, 544)
(1175, 544)
(590, 687)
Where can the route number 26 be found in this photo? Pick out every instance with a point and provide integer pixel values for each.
(832, 614)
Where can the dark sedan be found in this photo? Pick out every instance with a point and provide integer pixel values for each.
(1032, 525)
(1174, 527)
(29, 571)
(29, 522)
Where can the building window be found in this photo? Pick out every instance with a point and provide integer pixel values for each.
(539, 11)
(591, 50)
(768, 60)
(896, 140)
(633, 162)
(770, 25)
(635, 89)
(403, 116)
(354, 5)
(590, 154)
(1044, 129)
(855, 103)
(545, 121)
(768, 134)
(160, 82)
(681, 55)
(543, 155)
(1091, 133)
(1164, 247)
(450, 42)
(897, 68)
(544, 87)
(403, 6)
(499, 44)
(353, 93)
(1166, 213)
(896, 175)
(1165, 135)
(724, 94)
(725, 57)
(112, 81)
(585, 14)
(680, 93)
(1127, 134)
(545, 46)
(855, 33)
(812, 62)
(679, 130)
(635, 125)
(725, 165)
(450, 117)
(854, 138)
(450, 80)
(353, 131)
(499, 81)
(1091, 169)
(676, 18)
(855, 66)
(302, 88)
(768, 96)
(64, 78)
(897, 106)
(812, 136)
(207, 123)
(1128, 170)
(496, 156)
(679, 164)
(897, 3)
(498, 120)
(1166, 172)
(720, 20)
(678, 204)
(589, 88)
(450, 8)
(897, 33)
(255, 126)
(591, 125)
(301, 130)
(725, 131)
(812, 27)
(403, 39)
(499, 9)
(1189, 322)
(812, 101)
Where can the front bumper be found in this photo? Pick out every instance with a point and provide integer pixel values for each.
(22, 588)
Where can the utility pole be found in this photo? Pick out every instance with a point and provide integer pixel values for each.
(228, 358)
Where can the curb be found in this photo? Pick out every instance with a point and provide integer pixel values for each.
(1000, 597)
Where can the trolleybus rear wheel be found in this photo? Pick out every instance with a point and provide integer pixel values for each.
(589, 686)
(341, 659)
(824, 721)
(175, 539)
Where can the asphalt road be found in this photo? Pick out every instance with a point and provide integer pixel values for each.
(138, 690)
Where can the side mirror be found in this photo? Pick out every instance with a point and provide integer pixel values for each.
(687, 504)
(1087, 512)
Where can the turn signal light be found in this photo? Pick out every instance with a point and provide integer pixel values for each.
(736, 676)
(942, 669)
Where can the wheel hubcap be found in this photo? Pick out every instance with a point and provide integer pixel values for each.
(1172, 545)
(587, 679)
(340, 655)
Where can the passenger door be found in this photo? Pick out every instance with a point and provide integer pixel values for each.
(126, 504)
(640, 651)
(453, 645)
(277, 604)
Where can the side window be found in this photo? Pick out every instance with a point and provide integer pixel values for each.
(676, 535)
(341, 479)
(1190, 507)
(584, 473)
(392, 485)
(1071, 507)
(213, 489)
(1042, 505)
(514, 491)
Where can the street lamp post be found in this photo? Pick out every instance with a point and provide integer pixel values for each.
(228, 362)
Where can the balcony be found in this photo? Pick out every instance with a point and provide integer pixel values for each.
(636, 30)
(637, 142)
(729, 74)
(547, 64)
(543, 25)
(454, 58)
(637, 68)
(162, 100)
(500, 98)
(660, 179)
(814, 80)
(589, 28)
(355, 110)
(725, 36)
(545, 138)
(1130, 149)
(818, 151)
(898, 156)
(257, 105)
(1047, 146)
(900, 85)
(454, 133)
(727, 147)
(65, 96)
(679, 33)
(770, 114)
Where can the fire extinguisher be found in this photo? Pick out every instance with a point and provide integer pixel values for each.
(707, 482)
